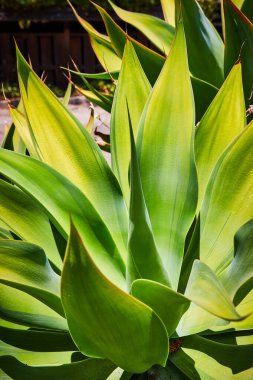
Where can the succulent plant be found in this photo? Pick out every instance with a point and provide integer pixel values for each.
(142, 269)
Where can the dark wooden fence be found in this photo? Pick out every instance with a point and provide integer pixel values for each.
(49, 44)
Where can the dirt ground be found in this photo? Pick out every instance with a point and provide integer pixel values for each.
(78, 105)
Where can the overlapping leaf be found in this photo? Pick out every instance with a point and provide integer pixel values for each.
(165, 145)
(103, 320)
(64, 144)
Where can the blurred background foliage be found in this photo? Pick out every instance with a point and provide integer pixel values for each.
(209, 6)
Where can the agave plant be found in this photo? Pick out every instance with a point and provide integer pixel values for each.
(142, 269)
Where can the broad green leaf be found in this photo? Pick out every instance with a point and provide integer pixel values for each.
(206, 290)
(218, 127)
(64, 144)
(89, 369)
(24, 266)
(106, 322)
(27, 220)
(159, 32)
(32, 357)
(168, 304)
(241, 269)
(204, 45)
(133, 88)
(213, 360)
(144, 260)
(222, 213)
(60, 199)
(37, 340)
(165, 146)
(204, 93)
(168, 7)
(101, 45)
(151, 61)
(23, 309)
(239, 45)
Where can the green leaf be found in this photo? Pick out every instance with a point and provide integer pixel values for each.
(24, 266)
(101, 45)
(213, 360)
(203, 95)
(23, 309)
(141, 243)
(222, 213)
(27, 220)
(247, 9)
(218, 127)
(32, 357)
(106, 322)
(206, 290)
(151, 61)
(239, 45)
(60, 199)
(204, 45)
(168, 7)
(159, 32)
(89, 369)
(38, 340)
(168, 304)
(168, 130)
(65, 145)
(241, 268)
(133, 87)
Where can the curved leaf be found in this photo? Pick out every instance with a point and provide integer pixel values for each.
(168, 304)
(27, 220)
(65, 145)
(24, 266)
(214, 360)
(222, 213)
(159, 32)
(60, 198)
(89, 369)
(165, 146)
(205, 290)
(218, 127)
(239, 44)
(101, 45)
(204, 45)
(106, 322)
(20, 308)
(151, 61)
(38, 340)
(241, 268)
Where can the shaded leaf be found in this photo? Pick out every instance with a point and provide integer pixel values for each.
(105, 321)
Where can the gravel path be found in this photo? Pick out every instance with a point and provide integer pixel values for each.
(78, 105)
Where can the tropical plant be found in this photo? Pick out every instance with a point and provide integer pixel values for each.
(143, 270)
